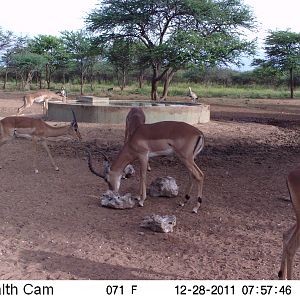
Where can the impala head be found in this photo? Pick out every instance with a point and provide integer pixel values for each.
(74, 130)
(111, 177)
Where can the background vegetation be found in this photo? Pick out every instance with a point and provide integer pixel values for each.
(140, 47)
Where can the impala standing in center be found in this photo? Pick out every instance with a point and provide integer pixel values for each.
(149, 140)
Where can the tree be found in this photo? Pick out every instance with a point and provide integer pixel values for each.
(27, 63)
(176, 32)
(282, 53)
(121, 56)
(52, 49)
(17, 46)
(81, 48)
(6, 39)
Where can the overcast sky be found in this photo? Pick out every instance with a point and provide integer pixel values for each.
(33, 17)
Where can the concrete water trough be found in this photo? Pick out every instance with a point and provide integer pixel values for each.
(105, 111)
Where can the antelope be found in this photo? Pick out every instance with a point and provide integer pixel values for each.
(192, 95)
(42, 96)
(149, 140)
(291, 238)
(134, 119)
(35, 130)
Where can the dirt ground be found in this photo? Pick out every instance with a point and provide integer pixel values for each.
(53, 227)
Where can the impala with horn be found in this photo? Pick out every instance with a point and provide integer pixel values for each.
(291, 238)
(148, 140)
(36, 130)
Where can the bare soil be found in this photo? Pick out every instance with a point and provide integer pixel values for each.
(53, 227)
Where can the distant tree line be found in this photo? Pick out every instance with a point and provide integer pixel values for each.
(155, 41)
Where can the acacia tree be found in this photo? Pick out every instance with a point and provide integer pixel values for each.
(81, 48)
(26, 64)
(16, 45)
(6, 39)
(121, 56)
(175, 32)
(282, 53)
(52, 49)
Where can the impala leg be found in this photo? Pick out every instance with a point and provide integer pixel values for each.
(21, 109)
(290, 244)
(46, 106)
(198, 176)
(34, 140)
(44, 143)
(143, 178)
(188, 190)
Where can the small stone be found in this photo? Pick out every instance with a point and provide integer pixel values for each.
(159, 223)
(163, 187)
(114, 200)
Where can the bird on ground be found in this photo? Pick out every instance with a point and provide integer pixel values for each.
(193, 95)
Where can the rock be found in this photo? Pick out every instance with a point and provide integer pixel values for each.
(128, 171)
(163, 187)
(159, 223)
(114, 200)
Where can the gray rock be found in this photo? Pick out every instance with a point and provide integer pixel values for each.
(163, 187)
(159, 223)
(128, 171)
(114, 200)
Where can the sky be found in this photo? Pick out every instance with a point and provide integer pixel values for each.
(34, 17)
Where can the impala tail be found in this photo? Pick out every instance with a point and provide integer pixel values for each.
(199, 145)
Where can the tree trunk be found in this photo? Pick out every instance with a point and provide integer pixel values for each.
(28, 80)
(5, 78)
(292, 82)
(168, 77)
(141, 79)
(123, 80)
(81, 78)
(154, 83)
(48, 76)
(154, 92)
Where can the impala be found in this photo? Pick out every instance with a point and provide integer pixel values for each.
(291, 238)
(42, 96)
(36, 130)
(162, 138)
(134, 119)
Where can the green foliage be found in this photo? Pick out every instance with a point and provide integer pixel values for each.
(176, 33)
(283, 49)
(282, 54)
(6, 39)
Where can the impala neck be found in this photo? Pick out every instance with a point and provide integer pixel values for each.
(122, 160)
(56, 131)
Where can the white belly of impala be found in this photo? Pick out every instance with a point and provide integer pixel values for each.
(39, 99)
(168, 151)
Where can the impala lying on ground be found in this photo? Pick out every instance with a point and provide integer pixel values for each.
(291, 238)
(162, 138)
(36, 130)
(42, 96)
